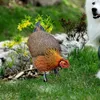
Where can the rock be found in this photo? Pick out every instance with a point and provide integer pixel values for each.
(67, 44)
(13, 60)
(70, 43)
(38, 2)
(44, 2)
(21, 62)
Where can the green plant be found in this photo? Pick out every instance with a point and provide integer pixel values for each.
(45, 22)
(1, 71)
(24, 23)
(74, 27)
(16, 40)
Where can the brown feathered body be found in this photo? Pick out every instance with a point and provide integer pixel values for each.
(40, 41)
(51, 60)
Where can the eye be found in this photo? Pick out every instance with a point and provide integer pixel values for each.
(93, 3)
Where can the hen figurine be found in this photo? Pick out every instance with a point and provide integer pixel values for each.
(44, 49)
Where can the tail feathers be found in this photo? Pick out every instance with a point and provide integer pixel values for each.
(38, 27)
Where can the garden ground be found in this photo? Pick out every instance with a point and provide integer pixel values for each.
(76, 83)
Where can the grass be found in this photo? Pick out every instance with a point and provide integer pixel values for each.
(10, 17)
(76, 83)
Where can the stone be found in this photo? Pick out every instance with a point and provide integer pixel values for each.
(68, 43)
(44, 2)
(21, 62)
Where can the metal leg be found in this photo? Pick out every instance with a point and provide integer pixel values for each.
(99, 52)
(56, 72)
(44, 77)
(99, 56)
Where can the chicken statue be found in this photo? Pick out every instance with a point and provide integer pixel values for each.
(45, 51)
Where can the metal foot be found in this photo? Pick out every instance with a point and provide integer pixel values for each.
(99, 52)
(99, 56)
(56, 72)
(45, 77)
